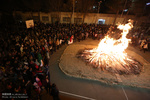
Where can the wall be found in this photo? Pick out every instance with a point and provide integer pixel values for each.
(90, 18)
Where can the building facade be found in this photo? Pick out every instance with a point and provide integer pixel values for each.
(66, 17)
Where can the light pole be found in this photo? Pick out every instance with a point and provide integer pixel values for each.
(99, 4)
(123, 8)
(72, 21)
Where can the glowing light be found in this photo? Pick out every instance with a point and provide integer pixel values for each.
(110, 53)
(110, 46)
(148, 3)
(125, 10)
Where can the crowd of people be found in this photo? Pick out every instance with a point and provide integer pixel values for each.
(139, 38)
(24, 55)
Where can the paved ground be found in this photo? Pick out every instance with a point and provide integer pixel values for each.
(81, 89)
(75, 67)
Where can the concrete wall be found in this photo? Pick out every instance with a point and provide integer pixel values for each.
(90, 18)
(109, 18)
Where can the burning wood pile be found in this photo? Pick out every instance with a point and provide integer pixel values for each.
(110, 54)
(110, 63)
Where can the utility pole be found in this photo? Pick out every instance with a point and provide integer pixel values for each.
(99, 4)
(123, 8)
(72, 21)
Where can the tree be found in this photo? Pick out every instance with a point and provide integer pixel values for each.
(115, 6)
(30, 5)
(139, 9)
(84, 6)
(56, 5)
(138, 6)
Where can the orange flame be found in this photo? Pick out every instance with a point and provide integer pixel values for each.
(108, 49)
(109, 45)
(110, 54)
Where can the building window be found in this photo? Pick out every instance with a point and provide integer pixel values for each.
(101, 21)
(36, 18)
(66, 19)
(45, 18)
(78, 20)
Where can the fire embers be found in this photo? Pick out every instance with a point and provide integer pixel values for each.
(110, 54)
(113, 63)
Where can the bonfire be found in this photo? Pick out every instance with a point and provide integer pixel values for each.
(110, 54)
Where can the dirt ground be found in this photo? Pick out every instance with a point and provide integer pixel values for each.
(75, 67)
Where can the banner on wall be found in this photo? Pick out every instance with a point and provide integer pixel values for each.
(29, 23)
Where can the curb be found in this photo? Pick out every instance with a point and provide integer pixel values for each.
(118, 83)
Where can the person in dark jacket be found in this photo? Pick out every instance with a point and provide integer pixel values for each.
(55, 92)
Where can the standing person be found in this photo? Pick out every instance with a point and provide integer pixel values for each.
(55, 92)
(28, 87)
(37, 89)
(144, 45)
(87, 34)
(21, 49)
(46, 84)
(133, 40)
(57, 43)
(70, 41)
(83, 35)
(38, 81)
(51, 47)
(54, 46)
